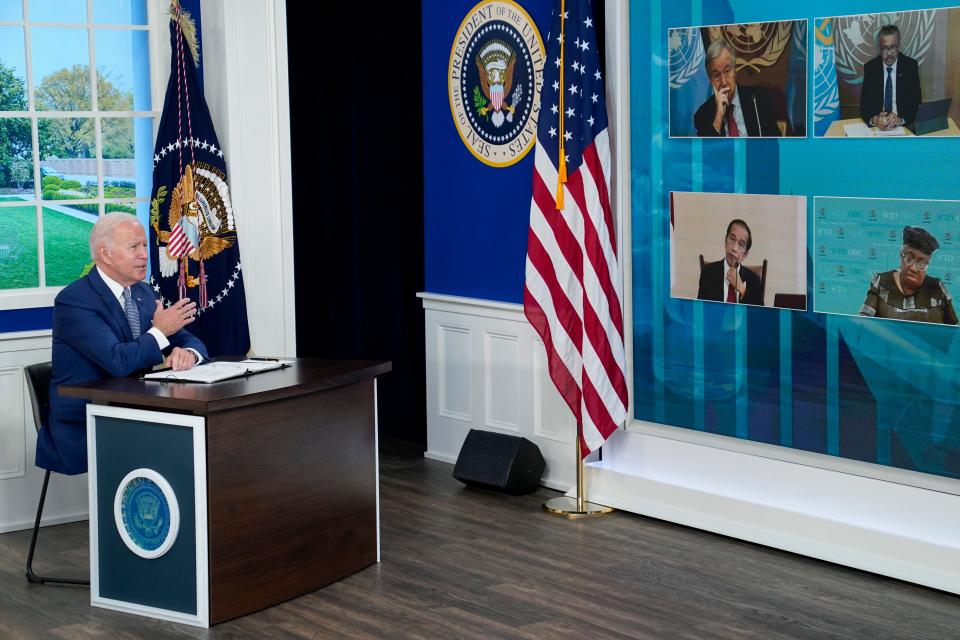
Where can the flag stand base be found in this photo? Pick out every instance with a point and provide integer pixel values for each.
(574, 509)
(577, 507)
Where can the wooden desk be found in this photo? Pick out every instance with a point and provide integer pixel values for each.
(291, 483)
(836, 130)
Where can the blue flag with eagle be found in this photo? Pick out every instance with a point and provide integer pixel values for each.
(193, 238)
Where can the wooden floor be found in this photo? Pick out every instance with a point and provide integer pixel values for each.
(461, 563)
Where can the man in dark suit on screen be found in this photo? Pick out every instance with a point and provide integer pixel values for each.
(891, 84)
(109, 323)
(728, 280)
(732, 111)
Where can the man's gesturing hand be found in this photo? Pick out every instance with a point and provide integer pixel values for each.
(174, 317)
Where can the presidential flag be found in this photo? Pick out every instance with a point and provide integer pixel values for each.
(193, 238)
(572, 293)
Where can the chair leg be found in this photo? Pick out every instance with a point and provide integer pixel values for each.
(31, 576)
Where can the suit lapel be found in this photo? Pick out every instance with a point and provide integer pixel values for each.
(749, 114)
(120, 325)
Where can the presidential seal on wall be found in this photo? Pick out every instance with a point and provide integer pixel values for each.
(494, 79)
(146, 513)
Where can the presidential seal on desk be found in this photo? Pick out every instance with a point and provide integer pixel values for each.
(146, 513)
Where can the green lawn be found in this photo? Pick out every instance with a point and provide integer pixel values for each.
(65, 247)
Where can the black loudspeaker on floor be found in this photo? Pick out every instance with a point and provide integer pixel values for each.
(500, 462)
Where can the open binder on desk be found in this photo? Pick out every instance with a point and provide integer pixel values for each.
(216, 371)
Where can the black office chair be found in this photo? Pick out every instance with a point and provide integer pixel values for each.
(38, 383)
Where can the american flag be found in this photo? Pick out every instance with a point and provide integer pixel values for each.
(179, 243)
(572, 293)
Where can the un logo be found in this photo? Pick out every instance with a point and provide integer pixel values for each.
(494, 80)
(146, 513)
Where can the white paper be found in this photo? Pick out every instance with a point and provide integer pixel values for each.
(857, 130)
(861, 130)
(217, 371)
(896, 131)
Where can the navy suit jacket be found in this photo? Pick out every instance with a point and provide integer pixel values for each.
(91, 341)
(908, 88)
(711, 278)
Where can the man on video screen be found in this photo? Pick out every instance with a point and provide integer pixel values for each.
(733, 110)
(728, 280)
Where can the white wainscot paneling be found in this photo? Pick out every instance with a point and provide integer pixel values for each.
(12, 447)
(454, 374)
(552, 418)
(20, 479)
(486, 370)
(501, 385)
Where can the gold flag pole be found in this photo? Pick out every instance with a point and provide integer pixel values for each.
(577, 507)
(566, 506)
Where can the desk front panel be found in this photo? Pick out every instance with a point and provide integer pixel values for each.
(292, 497)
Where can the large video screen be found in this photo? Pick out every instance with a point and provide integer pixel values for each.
(852, 350)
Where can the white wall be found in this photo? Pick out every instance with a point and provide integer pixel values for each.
(245, 84)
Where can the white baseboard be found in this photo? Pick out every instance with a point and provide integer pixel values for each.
(557, 486)
(893, 529)
(44, 522)
(439, 457)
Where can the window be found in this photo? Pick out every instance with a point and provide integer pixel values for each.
(76, 133)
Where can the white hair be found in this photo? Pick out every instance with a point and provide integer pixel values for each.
(716, 49)
(103, 229)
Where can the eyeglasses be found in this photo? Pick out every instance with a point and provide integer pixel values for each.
(910, 261)
(891, 49)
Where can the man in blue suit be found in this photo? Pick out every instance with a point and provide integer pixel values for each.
(109, 324)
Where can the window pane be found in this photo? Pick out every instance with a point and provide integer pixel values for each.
(16, 159)
(18, 248)
(123, 65)
(68, 164)
(66, 243)
(13, 70)
(58, 10)
(120, 11)
(122, 207)
(11, 10)
(61, 69)
(127, 157)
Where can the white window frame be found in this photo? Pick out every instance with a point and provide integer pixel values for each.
(159, 49)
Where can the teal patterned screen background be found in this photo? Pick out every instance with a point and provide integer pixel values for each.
(857, 388)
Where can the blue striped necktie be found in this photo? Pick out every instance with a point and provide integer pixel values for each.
(132, 312)
(888, 91)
